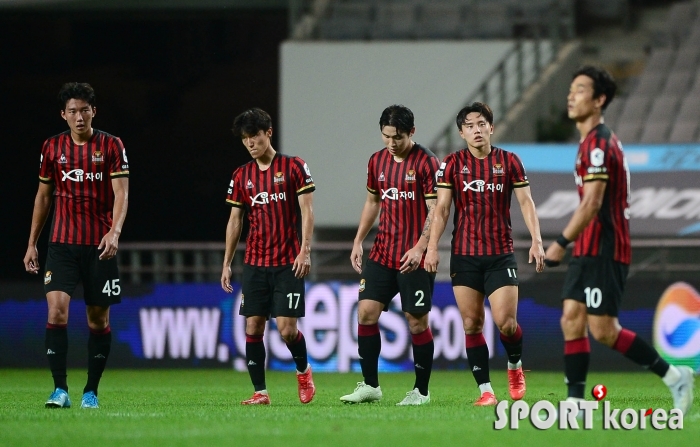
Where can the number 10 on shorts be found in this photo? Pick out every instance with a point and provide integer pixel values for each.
(593, 297)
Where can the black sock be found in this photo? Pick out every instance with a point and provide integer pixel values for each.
(56, 343)
(577, 355)
(513, 345)
(298, 350)
(369, 345)
(99, 346)
(255, 358)
(478, 356)
(423, 349)
(640, 352)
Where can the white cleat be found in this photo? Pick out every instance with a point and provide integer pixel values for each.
(414, 397)
(682, 390)
(363, 393)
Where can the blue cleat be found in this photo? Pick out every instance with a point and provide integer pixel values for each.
(58, 399)
(89, 400)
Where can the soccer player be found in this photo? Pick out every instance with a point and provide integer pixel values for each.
(86, 172)
(401, 186)
(602, 252)
(272, 189)
(480, 179)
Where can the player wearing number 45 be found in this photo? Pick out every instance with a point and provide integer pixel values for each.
(602, 252)
(86, 172)
(272, 189)
(481, 179)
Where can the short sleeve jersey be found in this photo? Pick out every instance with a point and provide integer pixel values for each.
(270, 199)
(481, 192)
(600, 158)
(402, 188)
(82, 179)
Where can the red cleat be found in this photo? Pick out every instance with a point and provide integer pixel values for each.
(486, 400)
(516, 383)
(257, 399)
(307, 389)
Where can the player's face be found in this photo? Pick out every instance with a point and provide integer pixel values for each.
(257, 144)
(476, 131)
(78, 114)
(399, 144)
(580, 102)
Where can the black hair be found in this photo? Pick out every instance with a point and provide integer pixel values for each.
(250, 122)
(603, 82)
(76, 90)
(397, 116)
(478, 107)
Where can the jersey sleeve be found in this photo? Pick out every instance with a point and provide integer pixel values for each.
(235, 194)
(429, 170)
(445, 173)
(301, 176)
(518, 176)
(45, 164)
(595, 160)
(372, 185)
(118, 163)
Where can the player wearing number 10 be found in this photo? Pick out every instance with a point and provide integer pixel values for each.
(86, 171)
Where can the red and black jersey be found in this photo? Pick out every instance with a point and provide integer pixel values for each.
(402, 188)
(600, 158)
(481, 192)
(82, 178)
(270, 199)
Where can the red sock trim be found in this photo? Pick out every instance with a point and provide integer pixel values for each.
(104, 331)
(423, 338)
(253, 338)
(56, 326)
(624, 340)
(578, 346)
(365, 330)
(474, 340)
(297, 339)
(517, 335)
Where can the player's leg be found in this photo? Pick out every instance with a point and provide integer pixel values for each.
(577, 348)
(99, 347)
(256, 304)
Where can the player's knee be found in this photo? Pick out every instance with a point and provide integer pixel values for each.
(289, 335)
(417, 325)
(509, 327)
(473, 325)
(604, 335)
(367, 316)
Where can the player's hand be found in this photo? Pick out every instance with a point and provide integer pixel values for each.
(537, 253)
(356, 257)
(31, 260)
(302, 264)
(554, 254)
(411, 260)
(110, 242)
(226, 279)
(431, 261)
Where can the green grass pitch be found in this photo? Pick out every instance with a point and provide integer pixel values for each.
(201, 408)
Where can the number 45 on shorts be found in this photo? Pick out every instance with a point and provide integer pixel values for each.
(112, 288)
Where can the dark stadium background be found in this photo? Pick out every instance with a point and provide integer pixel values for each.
(167, 83)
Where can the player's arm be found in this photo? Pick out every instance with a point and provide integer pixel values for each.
(42, 206)
(110, 241)
(233, 235)
(437, 227)
(370, 211)
(411, 259)
(588, 208)
(302, 263)
(527, 206)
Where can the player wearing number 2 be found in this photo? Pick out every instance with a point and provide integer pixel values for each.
(86, 172)
(602, 252)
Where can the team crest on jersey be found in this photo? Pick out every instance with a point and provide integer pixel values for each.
(98, 158)
(62, 159)
(279, 178)
(381, 177)
(498, 169)
(249, 185)
(465, 170)
(47, 277)
(411, 176)
(362, 285)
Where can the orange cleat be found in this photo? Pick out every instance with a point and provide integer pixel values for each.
(516, 383)
(257, 399)
(486, 400)
(307, 389)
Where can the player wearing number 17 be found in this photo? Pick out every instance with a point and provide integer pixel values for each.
(272, 189)
(86, 172)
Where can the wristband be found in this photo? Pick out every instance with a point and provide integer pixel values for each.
(561, 240)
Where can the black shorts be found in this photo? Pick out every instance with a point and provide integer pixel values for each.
(272, 292)
(380, 283)
(67, 264)
(597, 282)
(485, 274)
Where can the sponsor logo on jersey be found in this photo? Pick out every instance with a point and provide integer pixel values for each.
(62, 159)
(381, 177)
(249, 185)
(264, 198)
(465, 170)
(395, 194)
